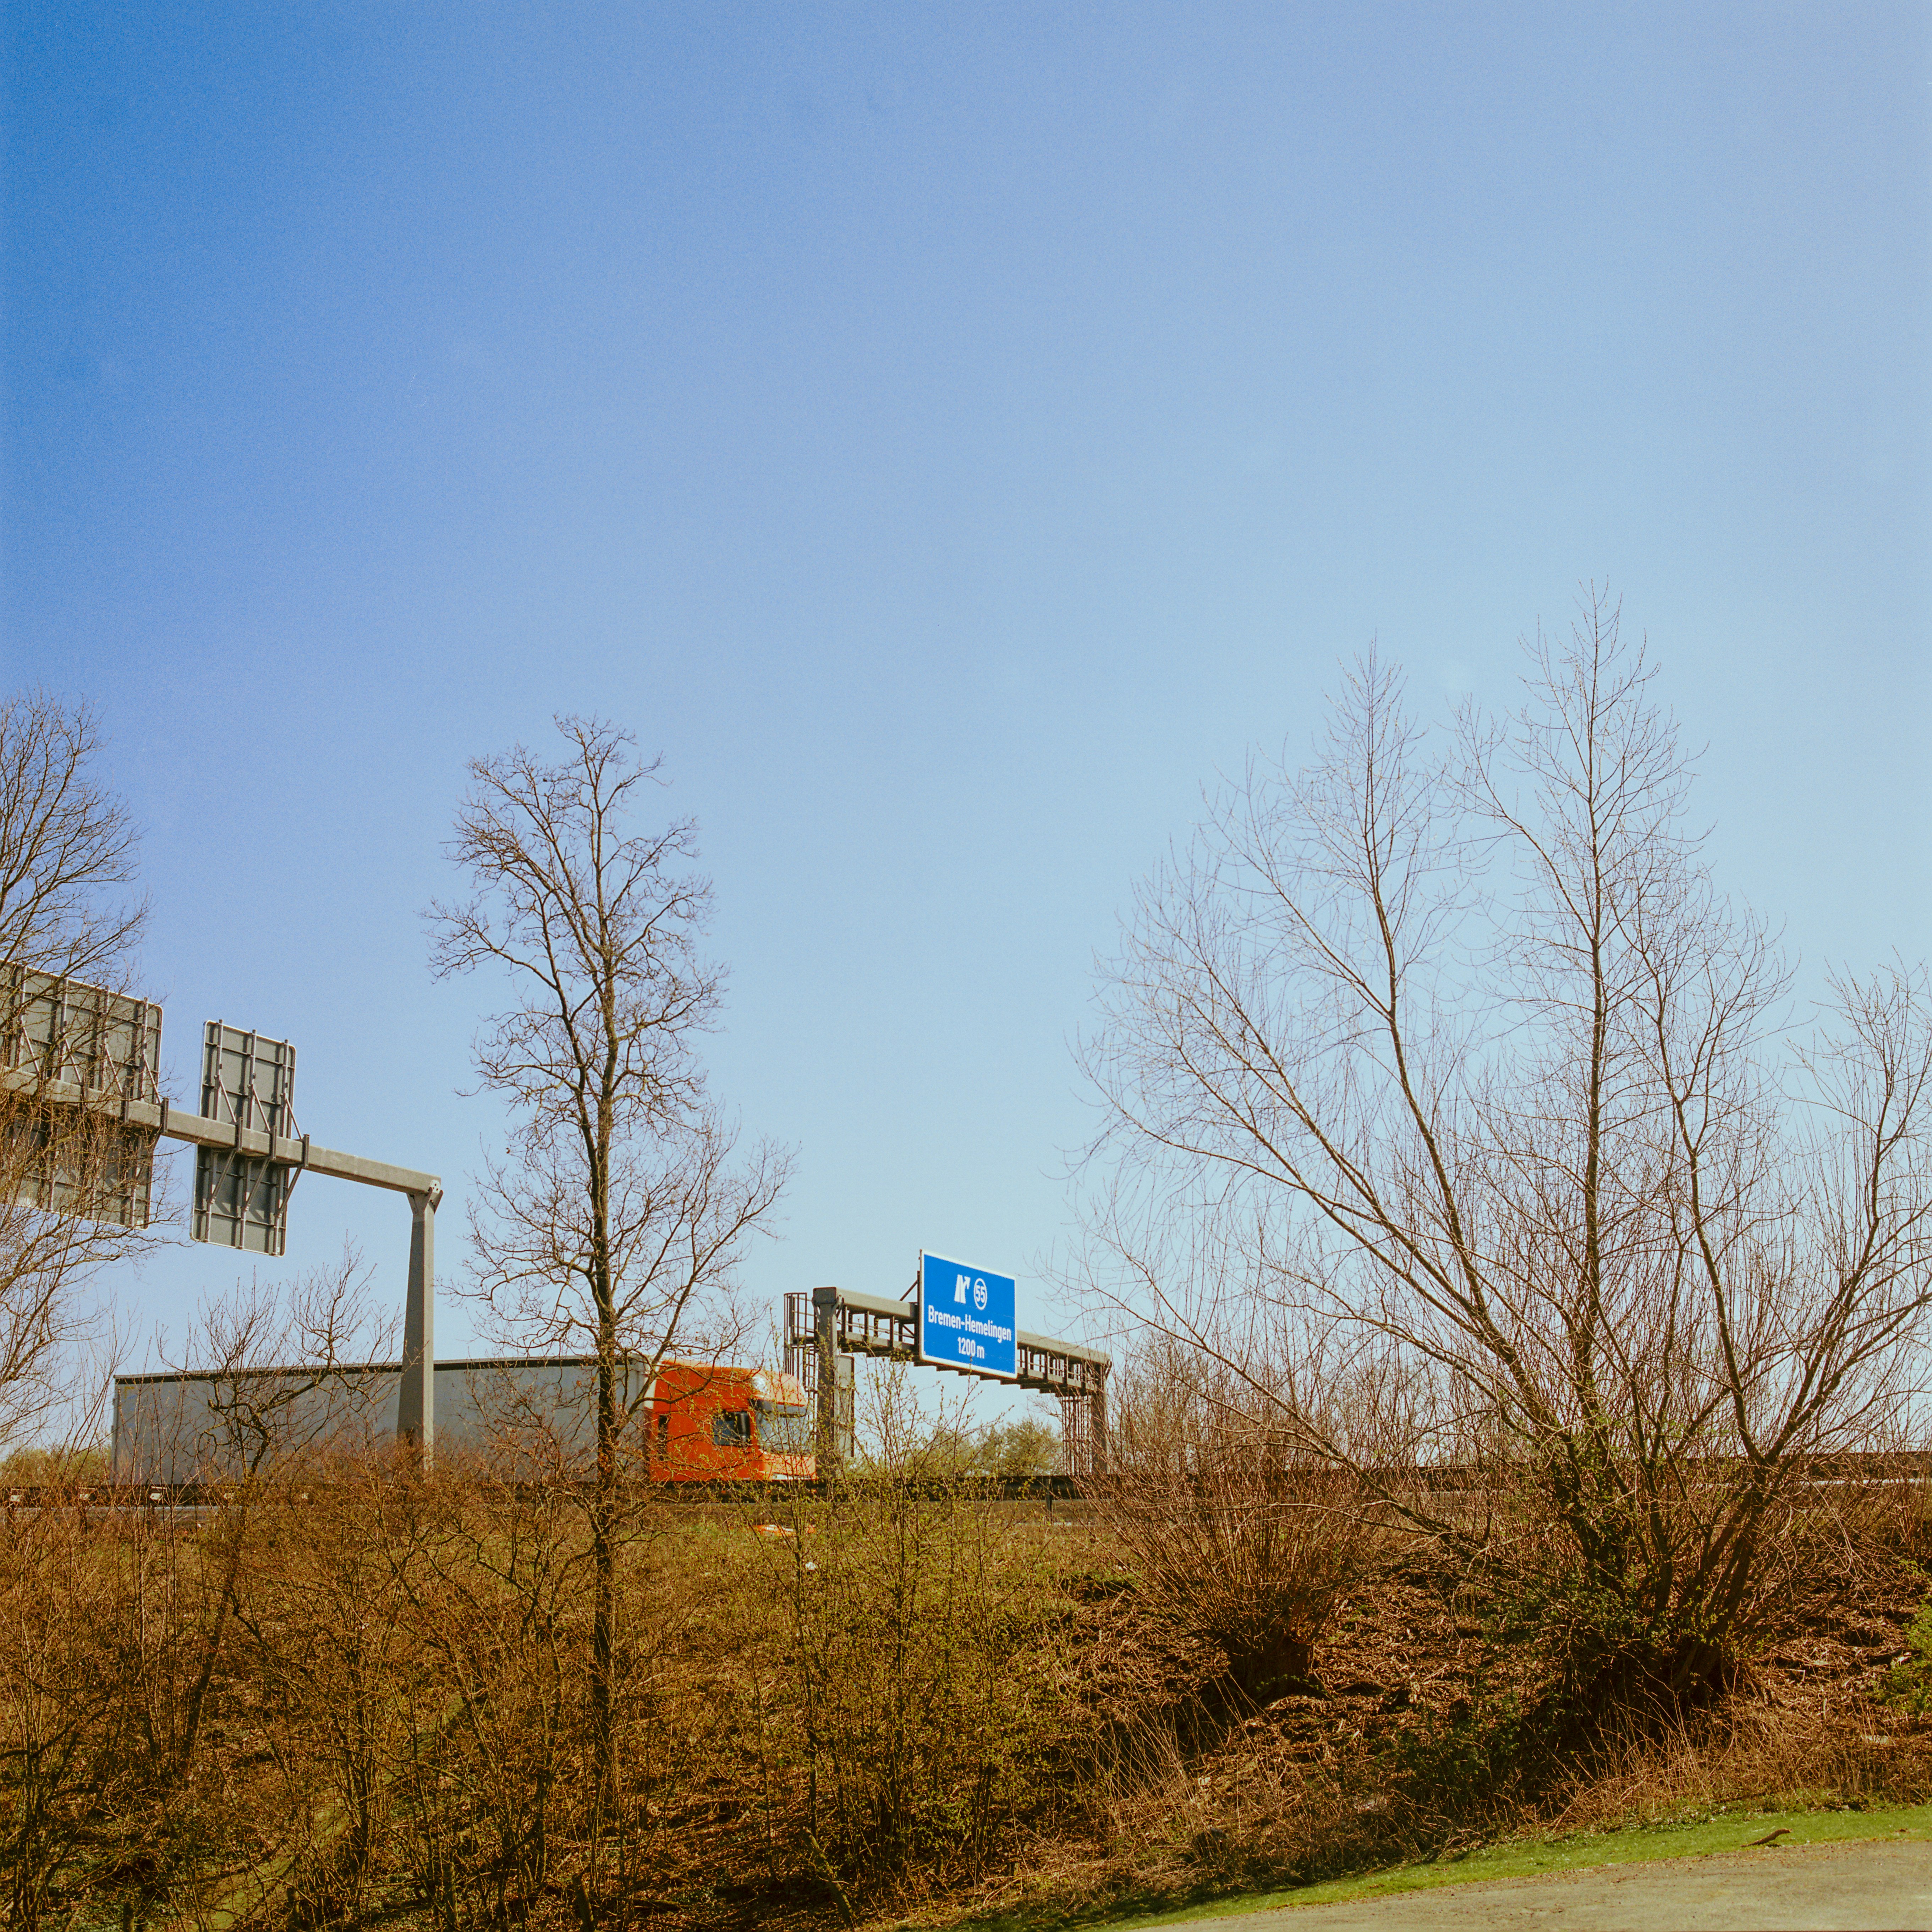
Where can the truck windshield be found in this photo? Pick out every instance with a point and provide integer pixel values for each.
(784, 1430)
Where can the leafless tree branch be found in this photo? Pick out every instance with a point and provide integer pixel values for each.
(1461, 1053)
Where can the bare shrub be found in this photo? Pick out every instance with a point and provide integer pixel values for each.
(1454, 1058)
(285, 1384)
(331, 1671)
(494, 1590)
(104, 1622)
(1237, 1534)
(57, 1724)
(493, 1806)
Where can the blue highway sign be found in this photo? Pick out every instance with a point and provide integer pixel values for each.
(966, 1319)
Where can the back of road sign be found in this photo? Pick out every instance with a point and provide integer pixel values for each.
(59, 1038)
(967, 1319)
(239, 1202)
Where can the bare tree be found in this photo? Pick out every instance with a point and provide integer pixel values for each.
(619, 1215)
(1450, 1068)
(68, 849)
(74, 1182)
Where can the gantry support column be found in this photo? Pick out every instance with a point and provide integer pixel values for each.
(416, 1411)
(825, 1346)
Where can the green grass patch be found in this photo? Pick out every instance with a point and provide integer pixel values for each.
(1727, 1830)
(1731, 1829)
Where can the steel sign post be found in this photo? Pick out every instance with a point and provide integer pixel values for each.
(846, 1326)
(967, 1319)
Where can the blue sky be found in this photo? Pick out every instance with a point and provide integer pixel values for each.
(950, 435)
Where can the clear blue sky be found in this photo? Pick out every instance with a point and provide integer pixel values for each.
(949, 434)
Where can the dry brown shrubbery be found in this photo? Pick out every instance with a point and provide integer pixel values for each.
(906, 1691)
(1235, 1536)
(919, 1710)
(391, 1711)
(1440, 1719)
(345, 1690)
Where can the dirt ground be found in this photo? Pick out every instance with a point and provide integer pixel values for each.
(1406, 1659)
(1335, 1778)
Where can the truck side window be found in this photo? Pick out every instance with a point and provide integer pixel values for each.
(731, 1428)
(663, 1433)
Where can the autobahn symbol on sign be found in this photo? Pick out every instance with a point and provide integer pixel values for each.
(967, 1319)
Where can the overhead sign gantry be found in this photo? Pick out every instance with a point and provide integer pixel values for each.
(65, 1044)
(826, 1327)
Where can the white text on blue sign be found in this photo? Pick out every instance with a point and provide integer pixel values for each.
(966, 1318)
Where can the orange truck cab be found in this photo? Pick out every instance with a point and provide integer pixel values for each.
(711, 1423)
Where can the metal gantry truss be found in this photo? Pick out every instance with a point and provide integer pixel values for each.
(869, 1324)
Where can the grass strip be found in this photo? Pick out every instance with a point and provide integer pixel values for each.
(1728, 1831)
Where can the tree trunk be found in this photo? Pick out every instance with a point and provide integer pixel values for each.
(603, 1556)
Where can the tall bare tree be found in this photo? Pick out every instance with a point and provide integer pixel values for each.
(73, 1182)
(618, 1216)
(1446, 1067)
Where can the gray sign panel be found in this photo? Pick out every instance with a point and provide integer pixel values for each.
(62, 1034)
(80, 1035)
(250, 1080)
